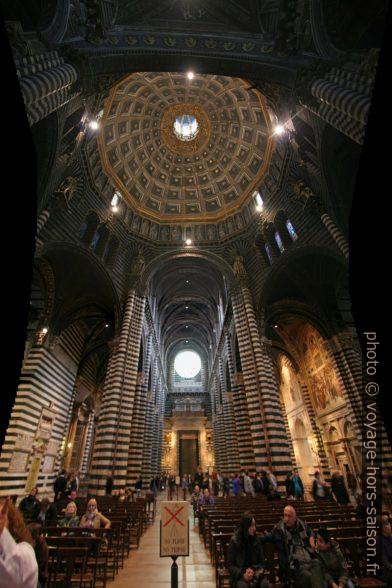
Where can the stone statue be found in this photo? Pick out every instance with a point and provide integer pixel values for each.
(66, 191)
(138, 265)
(239, 267)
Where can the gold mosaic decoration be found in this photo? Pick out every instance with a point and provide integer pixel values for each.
(167, 131)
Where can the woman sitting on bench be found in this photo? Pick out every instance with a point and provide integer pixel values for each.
(245, 558)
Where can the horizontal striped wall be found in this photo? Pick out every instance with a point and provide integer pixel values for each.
(44, 379)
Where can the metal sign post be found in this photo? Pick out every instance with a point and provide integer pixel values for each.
(174, 534)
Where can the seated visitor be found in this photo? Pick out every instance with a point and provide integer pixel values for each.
(207, 498)
(28, 504)
(45, 512)
(94, 519)
(121, 495)
(70, 518)
(18, 565)
(295, 544)
(334, 564)
(41, 553)
(245, 558)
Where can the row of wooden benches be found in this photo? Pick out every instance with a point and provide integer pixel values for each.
(88, 558)
(218, 522)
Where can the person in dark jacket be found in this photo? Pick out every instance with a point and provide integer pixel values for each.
(109, 485)
(60, 486)
(339, 489)
(334, 564)
(45, 512)
(30, 502)
(296, 545)
(245, 558)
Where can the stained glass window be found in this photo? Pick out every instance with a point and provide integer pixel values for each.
(279, 242)
(268, 252)
(291, 230)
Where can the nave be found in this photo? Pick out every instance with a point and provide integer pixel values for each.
(144, 568)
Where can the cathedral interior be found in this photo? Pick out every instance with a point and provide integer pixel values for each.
(195, 170)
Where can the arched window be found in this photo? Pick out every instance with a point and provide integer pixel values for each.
(261, 246)
(281, 223)
(89, 227)
(268, 252)
(279, 242)
(291, 230)
(269, 233)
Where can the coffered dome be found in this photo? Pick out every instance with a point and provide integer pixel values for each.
(185, 150)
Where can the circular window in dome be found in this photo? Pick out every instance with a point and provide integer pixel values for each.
(187, 364)
(186, 127)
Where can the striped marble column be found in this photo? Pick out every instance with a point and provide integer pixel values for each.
(155, 421)
(223, 454)
(336, 234)
(146, 394)
(321, 451)
(116, 415)
(45, 382)
(47, 90)
(353, 104)
(41, 221)
(135, 448)
(267, 431)
(87, 447)
(288, 433)
(233, 461)
(218, 425)
(348, 367)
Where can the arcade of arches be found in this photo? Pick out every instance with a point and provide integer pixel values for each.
(184, 222)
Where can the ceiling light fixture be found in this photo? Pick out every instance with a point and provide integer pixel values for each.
(190, 75)
(188, 241)
(279, 130)
(93, 125)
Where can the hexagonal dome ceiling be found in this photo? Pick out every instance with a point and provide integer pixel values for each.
(185, 150)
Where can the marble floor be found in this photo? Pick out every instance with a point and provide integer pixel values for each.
(146, 569)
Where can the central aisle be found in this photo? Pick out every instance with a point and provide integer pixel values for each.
(145, 569)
